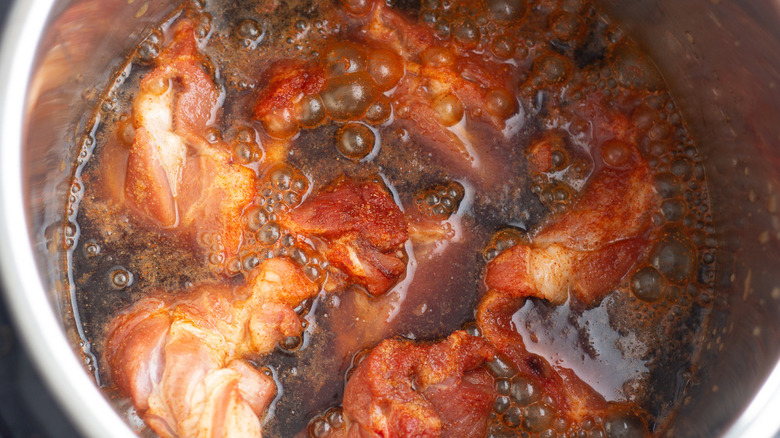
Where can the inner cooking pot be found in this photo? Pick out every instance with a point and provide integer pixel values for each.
(720, 60)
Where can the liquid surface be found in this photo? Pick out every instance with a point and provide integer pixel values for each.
(637, 345)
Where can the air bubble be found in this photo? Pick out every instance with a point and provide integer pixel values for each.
(290, 343)
(538, 417)
(500, 103)
(292, 199)
(633, 69)
(385, 67)
(524, 390)
(448, 109)
(269, 233)
(246, 152)
(438, 57)
(667, 186)
(503, 386)
(349, 96)
(233, 266)
(648, 284)
(506, 10)
(310, 111)
(552, 69)
(624, 425)
(344, 58)
(281, 179)
(566, 26)
(91, 249)
(355, 141)
(335, 418)
(120, 278)
(513, 416)
(674, 256)
(213, 135)
(503, 46)
(319, 428)
(298, 256)
(472, 329)
(149, 49)
(466, 33)
(501, 404)
(673, 210)
(312, 272)
(249, 29)
(256, 218)
(379, 111)
(681, 168)
(500, 368)
(357, 7)
(70, 229)
(615, 153)
(250, 262)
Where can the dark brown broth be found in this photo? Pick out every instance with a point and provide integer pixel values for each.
(657, 342)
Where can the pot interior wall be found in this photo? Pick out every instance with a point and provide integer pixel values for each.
(720, 60)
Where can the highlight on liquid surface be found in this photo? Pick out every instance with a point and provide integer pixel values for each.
(367, 218)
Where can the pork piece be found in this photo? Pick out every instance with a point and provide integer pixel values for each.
(181, 359)
(288, 82)
(444, 84)
(569, 397)
(432, 84)
(360, 230)
(424, 390)
(174, 178)
(588, 249)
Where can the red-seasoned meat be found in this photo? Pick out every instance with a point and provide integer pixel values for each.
(588, 249)
(181, 359)
(361, 228)
(174, 178)
(425, 390)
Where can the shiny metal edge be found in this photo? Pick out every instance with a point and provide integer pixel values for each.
(762, 416)
(33, 315)
(32, 312)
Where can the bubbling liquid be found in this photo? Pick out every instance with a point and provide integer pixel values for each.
(488, 195)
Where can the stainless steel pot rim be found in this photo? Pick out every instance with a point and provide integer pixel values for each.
(25, 293)
(32, 312)
(762, 416)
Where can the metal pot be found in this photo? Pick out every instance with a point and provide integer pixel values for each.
(721, 60)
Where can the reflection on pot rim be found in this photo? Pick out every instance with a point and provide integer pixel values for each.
(33, 308)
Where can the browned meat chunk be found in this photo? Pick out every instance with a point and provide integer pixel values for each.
(589, 248)
(361, 230)
(407, 389)
(181, 359)
(174, 178)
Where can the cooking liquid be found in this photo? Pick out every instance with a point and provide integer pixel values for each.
(638, 345)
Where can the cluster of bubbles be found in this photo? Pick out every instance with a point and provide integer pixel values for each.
(353, 93)
(522, 407)
(474, 27)
(325, 424)
(149, 49)
(246, 147)
(626, 71)
(332, 420)
(550, 70)
(558, 170)
(282, 188)
(503, 240)
(250, 33)
(683, 253)
(441, 200)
